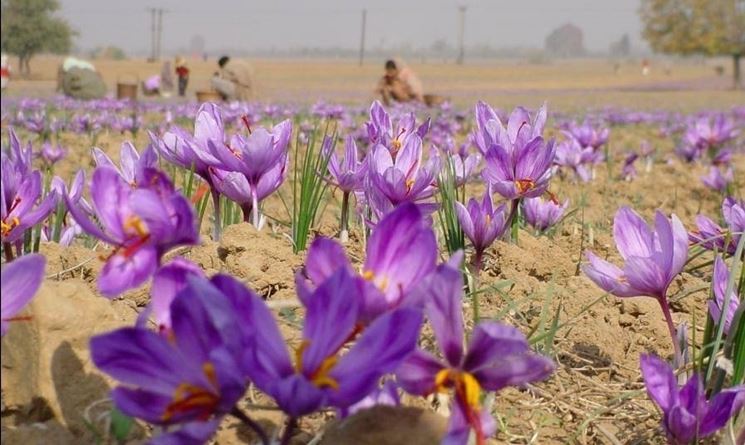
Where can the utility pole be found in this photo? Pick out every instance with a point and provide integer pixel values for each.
(152, 32)
(160, 33)
(362, 36)
(461, 33)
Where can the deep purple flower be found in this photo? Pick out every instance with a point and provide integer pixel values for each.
(19, 211)
(168, 282)
(482, 223)
(543, 214)
(628, 171)
(132, 164)
(710, 235)
(401, 251)
(323, 374)
(20, 280)
(349, 173)
(141, 224)
(716, 180)
(518, 160)
(497, 356)
(686, 414)
(188, 380)
(719, 286)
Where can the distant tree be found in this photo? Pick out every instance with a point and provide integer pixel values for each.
(28, 27)
(621, 48)
(709, 27)
(565, 41)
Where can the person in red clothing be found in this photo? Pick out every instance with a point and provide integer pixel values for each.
(182, 72)
(4, 72)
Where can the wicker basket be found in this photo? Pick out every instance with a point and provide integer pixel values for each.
(208, 96)
(126, 90)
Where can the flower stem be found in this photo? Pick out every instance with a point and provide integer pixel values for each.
(237, 413)
(216, 207)
(344, 231)
(255, 208)
(476, 262)
(289, 429)
(671, 327)
(8, 251)
(513, 220)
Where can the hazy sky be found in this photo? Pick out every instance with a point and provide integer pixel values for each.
(287, 24)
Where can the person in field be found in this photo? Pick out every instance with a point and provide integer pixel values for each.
(234, 80)
(182, 72)
(399, 84)
(4, 71)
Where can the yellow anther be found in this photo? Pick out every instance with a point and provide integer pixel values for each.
(134, 222)
(320, 377)
(5, 227)
(466, 385)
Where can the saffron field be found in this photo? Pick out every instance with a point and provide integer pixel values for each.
(554, 255)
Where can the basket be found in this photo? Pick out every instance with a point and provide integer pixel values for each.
(208, 96)
(126, 89)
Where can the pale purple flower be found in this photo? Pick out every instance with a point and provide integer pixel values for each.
(132, 165)
(348, 173)
(20, 280)
(543, 214)
(482, 223)
(719, 287)
(710, 235)
(716, 180)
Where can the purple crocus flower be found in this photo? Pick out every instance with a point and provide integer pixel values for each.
(719, 286)
(385, 395)
(168, 282)
(710, 235)
(570, 154)
(20, 280)
(543, 214)
(588, 135)
(716, 180)
(628, 171)
(653, 258)
(52, 154)
(497, 356)
(518, 160)
(132, 164)
(401, 251)
(461, 165)
(686, 414)
(349, 173)
(482, 223)
(142, 224)
(188, 380)
(322, 374)
(400, 179)
(380, 129)
(19, 211)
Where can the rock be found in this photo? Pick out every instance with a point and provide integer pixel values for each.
(46, 366)
(387, 425)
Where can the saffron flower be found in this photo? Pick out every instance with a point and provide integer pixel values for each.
(588, 135)
(482, 223)
(187, 381)
(570, 154)
(18, 207)
(132, 164)
(710, 235)
(52, 154)
(401, 251)
(141, 224)
(497, 356)
(401, 178)
(20, 281)
(518, 160)
(380, 130)
(719, 286)
(348, 173)
(686, 414)
(718, 180)
(543, 214)
(320, 373)
(168, 282)
(653, 258)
